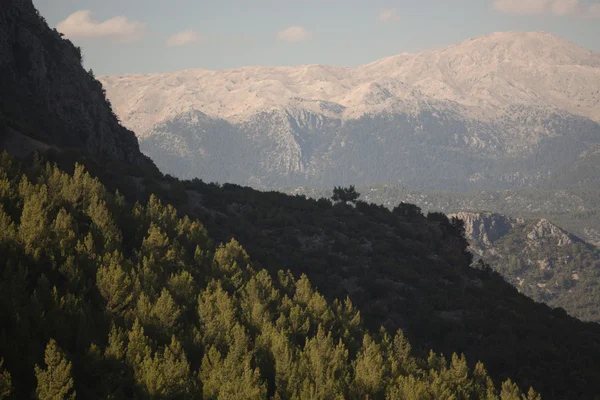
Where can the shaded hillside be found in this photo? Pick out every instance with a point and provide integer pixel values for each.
(408, 272)
(540, 259)
(576, 210)
(48, 96)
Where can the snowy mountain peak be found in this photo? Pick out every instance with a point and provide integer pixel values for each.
(478, 78)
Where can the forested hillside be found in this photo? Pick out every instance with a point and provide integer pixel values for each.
(530, 249)
(103, 299)
(576, 210)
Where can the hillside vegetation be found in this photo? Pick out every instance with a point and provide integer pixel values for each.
(103, 299)
(576, 210)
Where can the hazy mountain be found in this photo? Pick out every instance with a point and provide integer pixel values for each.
(504, 110)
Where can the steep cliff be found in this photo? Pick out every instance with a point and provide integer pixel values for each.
(47, 95)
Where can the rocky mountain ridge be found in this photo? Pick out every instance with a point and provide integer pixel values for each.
(539, 258)
(477, 77)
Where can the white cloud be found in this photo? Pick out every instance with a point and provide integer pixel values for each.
(295, 34)
(389, 15)
(184, 38)
(81, 24)
(552, 7)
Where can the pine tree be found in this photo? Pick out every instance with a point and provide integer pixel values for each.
(165, 313)
(138, 347)
(115, 284)
(34, 222)
(116, 348)
(369, 370)
(55, 381)
(5, 381)
(232, 376)
(218, 314)
(8, 232)
(345, 195)
(324, 367)
(532, 395)
(510, 391)
(230, 263)
(183, 287)
(167, 374)
(484, 384)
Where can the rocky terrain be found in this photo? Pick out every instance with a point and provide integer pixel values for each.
(478, 77)
(539, 258)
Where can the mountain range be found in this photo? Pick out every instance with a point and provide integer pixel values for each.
(500, 111)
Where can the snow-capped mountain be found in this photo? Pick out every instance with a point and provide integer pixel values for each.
(506, 109)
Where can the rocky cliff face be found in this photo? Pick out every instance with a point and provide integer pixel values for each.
(538, 257)
(545, 229)
(484, 228)
(47, 94)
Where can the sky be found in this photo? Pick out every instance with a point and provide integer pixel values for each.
(148, 36)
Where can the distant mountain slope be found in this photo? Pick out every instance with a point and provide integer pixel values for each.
(430, 150)
(500, 111)
(540, 259)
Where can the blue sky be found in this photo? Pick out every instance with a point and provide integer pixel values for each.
(140, 36)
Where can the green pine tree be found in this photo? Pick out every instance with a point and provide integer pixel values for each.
(5, 381)
(115, 284)
(55, 381)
